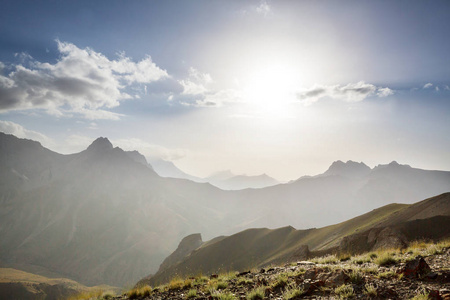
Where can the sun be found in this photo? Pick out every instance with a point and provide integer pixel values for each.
(270, 90)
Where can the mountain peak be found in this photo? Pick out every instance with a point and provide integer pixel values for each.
(349, 169)
(100, 144)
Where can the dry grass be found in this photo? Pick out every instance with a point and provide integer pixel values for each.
(141, 292)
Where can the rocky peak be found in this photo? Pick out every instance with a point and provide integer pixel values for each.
(137, 157)
(186, 246)
(101, 144)
(348, 169)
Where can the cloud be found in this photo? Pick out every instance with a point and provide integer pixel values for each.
(384, 92)
(82, 81)
(151, 151)
(447, 88)
(196, 83)
(428, 85)
(21, 132)
(352, 92)
(263, 8)
(220, 98)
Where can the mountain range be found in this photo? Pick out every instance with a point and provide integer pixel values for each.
(104, 216)
(224, 180)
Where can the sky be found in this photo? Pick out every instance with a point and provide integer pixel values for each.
(277, 87)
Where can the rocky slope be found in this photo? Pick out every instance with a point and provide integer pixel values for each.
(419, 270)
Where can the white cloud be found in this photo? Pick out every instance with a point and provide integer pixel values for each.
(196, 83)
(352, 92)
(447, 88)
(263, 8)
(82, 81)
(220, 98)
(150, 151)
(437, 89)
(21, 132)
(384, 92)
(428, 85)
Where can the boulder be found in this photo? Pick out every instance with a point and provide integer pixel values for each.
(416, 268)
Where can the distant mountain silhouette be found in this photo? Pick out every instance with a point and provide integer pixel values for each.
(224, 180)
(104, 216)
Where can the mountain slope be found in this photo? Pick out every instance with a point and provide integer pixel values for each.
(15, 284)
(103, 216)
(260, 247)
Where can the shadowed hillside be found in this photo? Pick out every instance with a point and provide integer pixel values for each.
(381, 228)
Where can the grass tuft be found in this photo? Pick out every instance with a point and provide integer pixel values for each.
(292, 292)
(370, 290)
(257, 293)
(344, 291)
(386, 258)
(191, 294)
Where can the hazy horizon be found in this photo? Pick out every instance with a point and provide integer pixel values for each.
(277, 87)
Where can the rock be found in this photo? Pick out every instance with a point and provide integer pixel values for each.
(432, 275)
(310, 286)
(416, 268)
(390, 238)
(337, 278)
(213, 276)
(243, 273)
(434, 295)
(311, 274)
(305, 263)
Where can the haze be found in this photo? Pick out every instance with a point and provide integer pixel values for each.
(277, 87)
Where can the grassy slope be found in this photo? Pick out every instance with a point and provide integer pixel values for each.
(23, 285)
(257, 247)
(254, 247)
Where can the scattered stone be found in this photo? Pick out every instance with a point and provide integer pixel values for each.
(337, 278)
(430, 275)
(416, 268)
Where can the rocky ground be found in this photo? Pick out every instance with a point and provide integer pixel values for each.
(383, 275)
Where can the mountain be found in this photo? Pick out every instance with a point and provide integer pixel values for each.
(224, 180)
(349, 169)
(97, 216)
(240, 182)
(104, 216)
(168, 169)
(255, 248)
(15, 284)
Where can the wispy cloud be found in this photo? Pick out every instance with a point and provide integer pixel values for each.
(263, 8)
(196, 83)
(197, 91)
(428, 85)
(82, 81)
(352, 92)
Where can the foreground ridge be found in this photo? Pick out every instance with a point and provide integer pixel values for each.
(421, 271)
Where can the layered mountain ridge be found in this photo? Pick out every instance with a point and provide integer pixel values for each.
(104, 216)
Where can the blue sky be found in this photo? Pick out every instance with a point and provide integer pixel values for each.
(277, 87)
